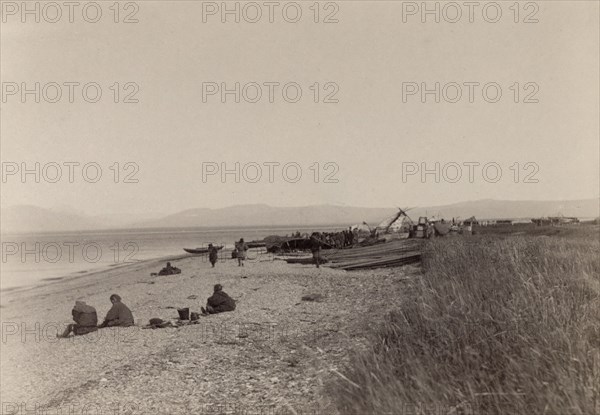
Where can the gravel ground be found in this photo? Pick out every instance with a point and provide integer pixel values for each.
(273, 354)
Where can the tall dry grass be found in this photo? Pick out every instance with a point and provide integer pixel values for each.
(494, 325)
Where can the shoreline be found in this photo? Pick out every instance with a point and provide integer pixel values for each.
(75, 275)
(19, 275)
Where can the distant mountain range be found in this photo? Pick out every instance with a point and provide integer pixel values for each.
(26, 218)
(36, 219)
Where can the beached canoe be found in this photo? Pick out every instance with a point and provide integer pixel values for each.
(256, 244)
(200, 250)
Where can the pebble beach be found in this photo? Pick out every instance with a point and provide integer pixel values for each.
(275, 353)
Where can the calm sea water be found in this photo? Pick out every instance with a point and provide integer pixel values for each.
(28, 259)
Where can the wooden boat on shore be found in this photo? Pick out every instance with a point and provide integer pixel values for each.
(256, 244)
(294, 257)
(199, 251)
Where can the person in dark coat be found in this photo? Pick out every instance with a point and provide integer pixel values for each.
(219, 302)
(85, 318)
(315, 248)
(240, 248)
(213, 254)
(119, 315)
(169, 270)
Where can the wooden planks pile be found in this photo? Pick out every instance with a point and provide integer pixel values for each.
(388, 254)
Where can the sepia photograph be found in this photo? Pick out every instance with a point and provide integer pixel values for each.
(310, 207)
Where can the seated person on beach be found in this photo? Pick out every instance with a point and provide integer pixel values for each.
(85, 318)
(169, 270)
(218, 302)
(118, 315)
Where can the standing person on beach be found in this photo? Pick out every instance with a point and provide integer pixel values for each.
(241, 249)
(85, 318)
(213, 254)
(315, 248)
(118, 315)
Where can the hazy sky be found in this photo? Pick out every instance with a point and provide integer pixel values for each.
(369, 57)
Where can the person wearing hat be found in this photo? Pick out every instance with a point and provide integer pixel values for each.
(219, 302)
(118, 315)
(85, 318)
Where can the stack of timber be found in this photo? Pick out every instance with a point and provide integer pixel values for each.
(305, 260)
(390, 254)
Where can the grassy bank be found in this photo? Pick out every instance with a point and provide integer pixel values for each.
(495, 325)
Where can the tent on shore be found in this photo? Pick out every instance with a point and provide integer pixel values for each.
(398, 223)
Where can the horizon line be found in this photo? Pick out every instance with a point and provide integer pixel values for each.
(310, 205)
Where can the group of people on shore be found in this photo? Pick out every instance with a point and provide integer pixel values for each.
(239, 252)
(86, 318)
(341, 239)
